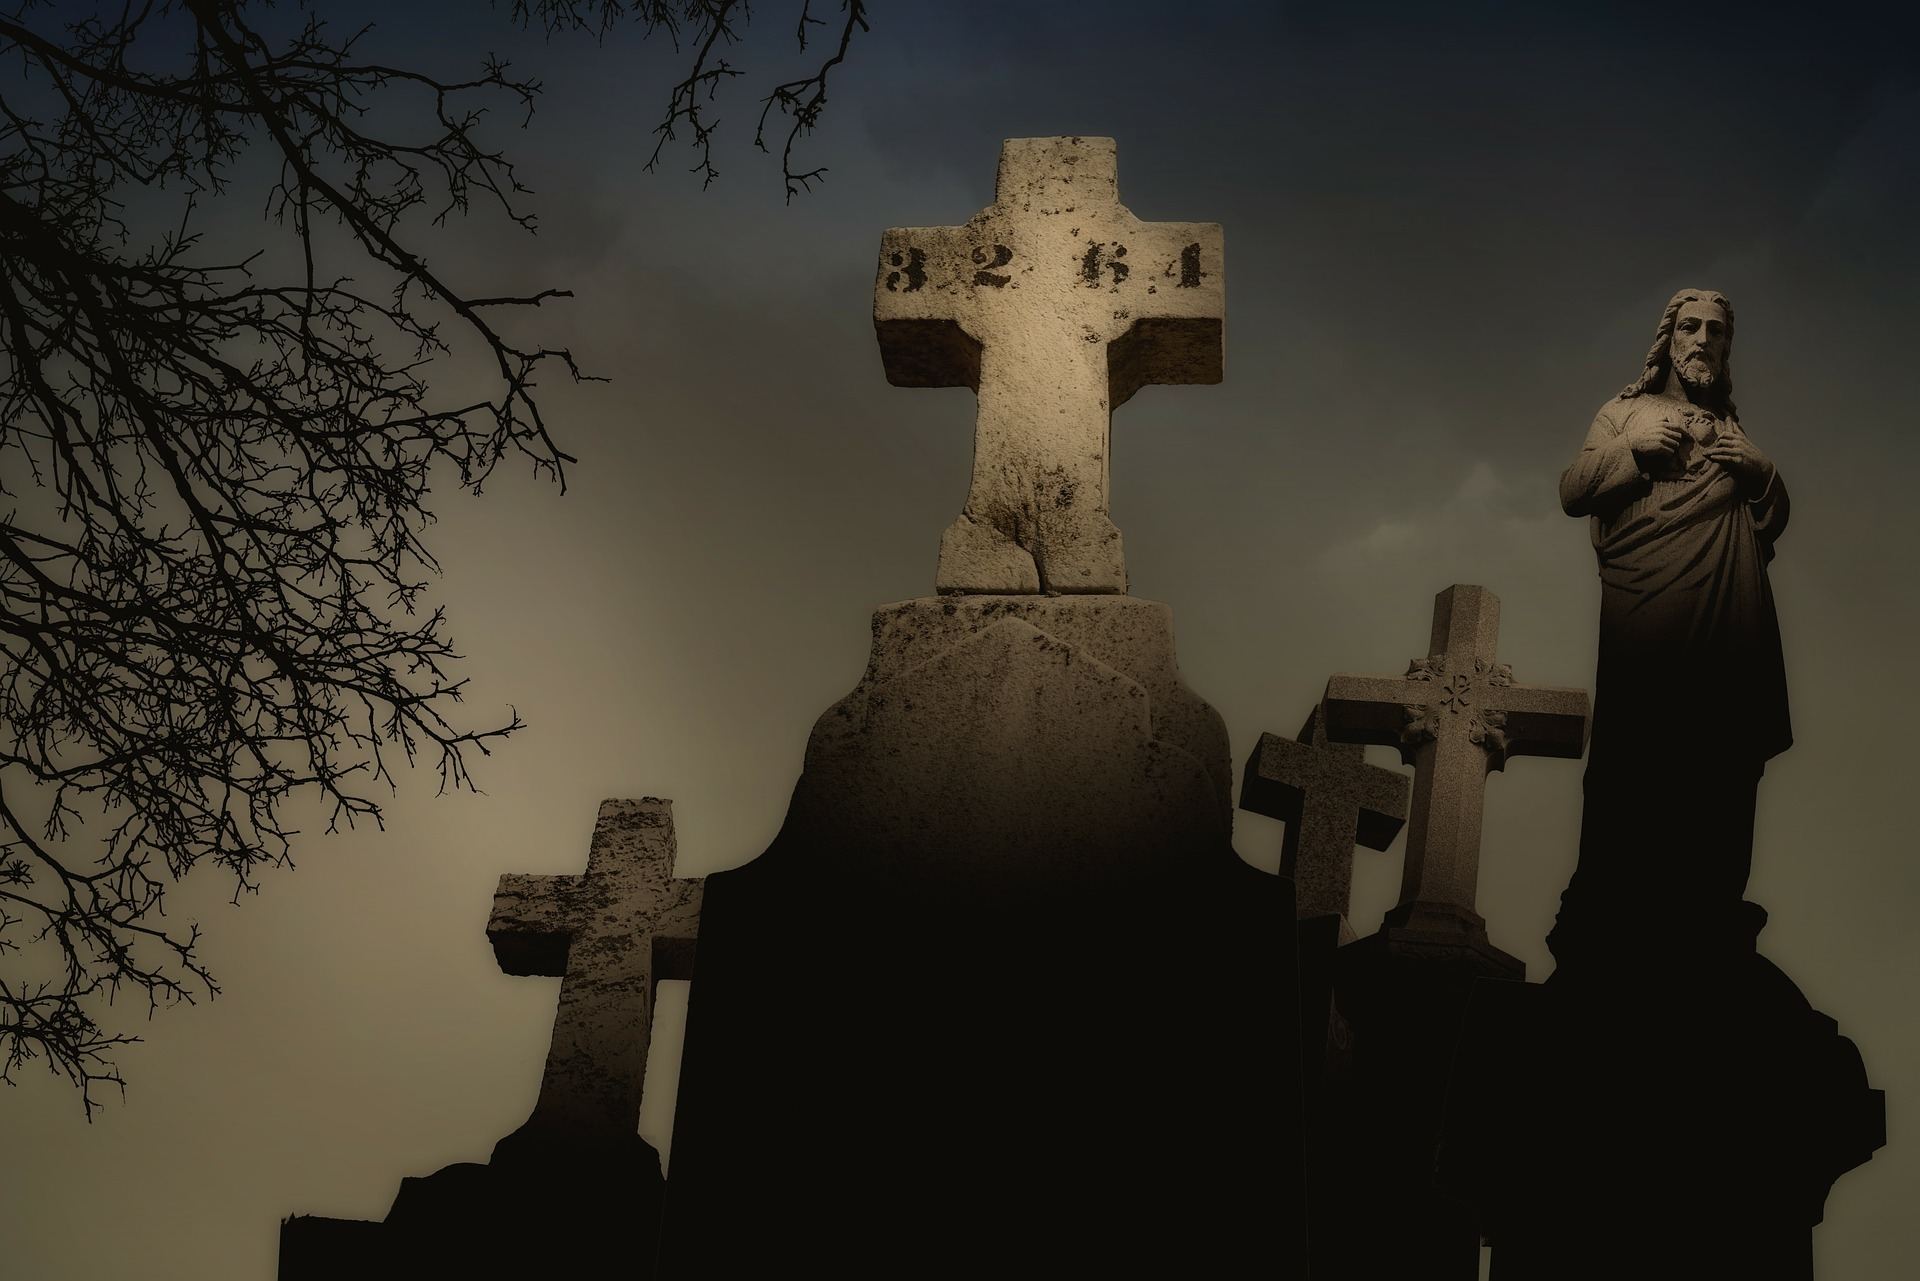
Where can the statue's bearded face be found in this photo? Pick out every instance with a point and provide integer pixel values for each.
(1700, 340)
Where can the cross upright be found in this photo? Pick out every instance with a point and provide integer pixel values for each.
(1329, 798)
(1455, 716)
(1055, 304)
(613, 934)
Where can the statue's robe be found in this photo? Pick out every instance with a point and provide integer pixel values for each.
(1690, 696)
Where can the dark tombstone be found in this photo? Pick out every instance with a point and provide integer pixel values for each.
(1330, 799)
(1455, 716)
(1000, 998)
(1668, 1104)
(612, 936)
(575, 1184)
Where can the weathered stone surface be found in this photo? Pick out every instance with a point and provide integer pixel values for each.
(1055, 304)
(985, 726)
(1329, 798)
(1455, 716)
(613, 934)
(574, 1185)
(1001, 933)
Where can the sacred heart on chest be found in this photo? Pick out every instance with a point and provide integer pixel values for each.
(1699, 429)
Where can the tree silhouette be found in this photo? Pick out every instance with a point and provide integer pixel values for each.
(214, 466)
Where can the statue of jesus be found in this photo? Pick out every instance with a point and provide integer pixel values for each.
(1690, 694)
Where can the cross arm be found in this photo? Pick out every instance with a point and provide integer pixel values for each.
(1368, 709)
(676, 929)
(528, 925)
(922, 297)
(1382, 797)
(1271, 783)
(1544, 720)
(1178, 306)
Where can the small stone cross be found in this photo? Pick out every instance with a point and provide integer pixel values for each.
(613, 934)
(1329, 798)
(1455, 716)
(1055, 304)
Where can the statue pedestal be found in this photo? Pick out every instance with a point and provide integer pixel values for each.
(1683, 1122)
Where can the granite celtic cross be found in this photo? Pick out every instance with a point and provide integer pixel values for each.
(613, 934)
(1455, 716)
(1055, 304)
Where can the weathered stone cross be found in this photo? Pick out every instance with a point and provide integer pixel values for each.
(613, 934)
(1055, 304)
(1329, 798)
(1455, 716)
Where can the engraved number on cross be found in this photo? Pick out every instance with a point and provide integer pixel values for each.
(1001, 256)
(913, 265)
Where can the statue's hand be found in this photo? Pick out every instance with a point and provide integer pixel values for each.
(1654, 439)
(1741, 459)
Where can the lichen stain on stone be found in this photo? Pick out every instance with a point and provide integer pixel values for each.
(1063, 498)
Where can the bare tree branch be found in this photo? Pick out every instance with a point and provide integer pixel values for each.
(214, 469)
(804, 100)
(208, 593)
(709, 25)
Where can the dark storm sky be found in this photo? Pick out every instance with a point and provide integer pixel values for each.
(1449, 231)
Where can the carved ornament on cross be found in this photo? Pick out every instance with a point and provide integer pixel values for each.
(1456, 716)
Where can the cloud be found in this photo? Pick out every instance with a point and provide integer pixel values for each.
(1485, 518)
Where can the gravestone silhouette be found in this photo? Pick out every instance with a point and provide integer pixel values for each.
(1456, 716)
(611, 934)
(1000, 998)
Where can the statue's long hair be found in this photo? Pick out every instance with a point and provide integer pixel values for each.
(1660, 356)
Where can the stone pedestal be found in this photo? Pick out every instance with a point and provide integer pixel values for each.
(1677, 1118)
(1398, 996)
(1000, 999)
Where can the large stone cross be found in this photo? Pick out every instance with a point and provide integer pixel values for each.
(1329, 798)
(1455, 716)
(1055, 304)
(613, 934)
